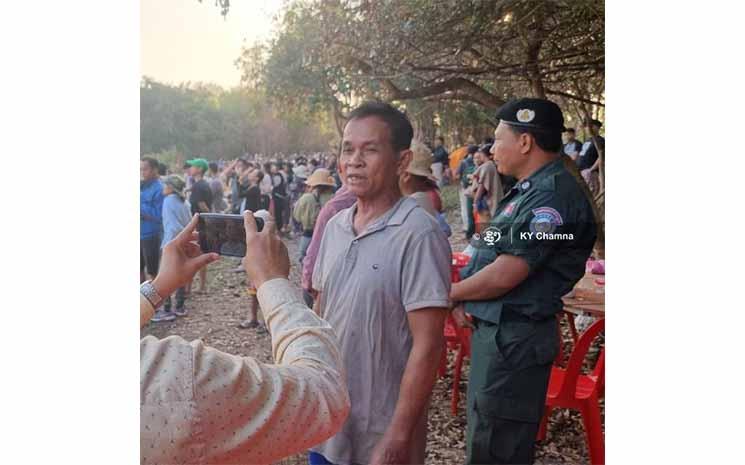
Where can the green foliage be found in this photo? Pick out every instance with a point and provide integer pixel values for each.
(223, 5)
(172, 158)
(450, 197)
(206, 120)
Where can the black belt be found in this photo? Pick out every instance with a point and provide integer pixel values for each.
(479, 322)
(506, 315)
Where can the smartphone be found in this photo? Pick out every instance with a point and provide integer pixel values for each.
(224, 234)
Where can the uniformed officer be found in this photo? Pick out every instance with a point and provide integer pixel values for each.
(531, 254)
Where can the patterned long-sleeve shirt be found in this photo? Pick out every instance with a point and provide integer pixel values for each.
(200, 405)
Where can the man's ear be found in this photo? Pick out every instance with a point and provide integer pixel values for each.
(526, 143)
(404, 159)
(339, 164)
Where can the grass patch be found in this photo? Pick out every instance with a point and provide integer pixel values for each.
(450, 199)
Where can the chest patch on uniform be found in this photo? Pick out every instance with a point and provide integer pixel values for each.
(546, 220)
(509, 209)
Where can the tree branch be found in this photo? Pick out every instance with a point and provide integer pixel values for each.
(574, 97)
(463, 86)
(473, 91)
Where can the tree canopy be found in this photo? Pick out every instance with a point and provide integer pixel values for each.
(206, 120)
(327, 55)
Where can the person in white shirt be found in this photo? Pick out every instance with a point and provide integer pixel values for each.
(200, 405)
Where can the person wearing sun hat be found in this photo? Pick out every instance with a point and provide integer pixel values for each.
(418, 179)
(420, 183)
(531, 254)
(175, 218)
(321, 188)
(177, 186)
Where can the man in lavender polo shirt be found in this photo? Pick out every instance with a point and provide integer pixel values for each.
(383, 280)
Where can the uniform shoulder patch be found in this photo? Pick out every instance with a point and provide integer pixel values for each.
(545, 220)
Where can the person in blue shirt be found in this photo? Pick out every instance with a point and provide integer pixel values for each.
(176, 217)
(151, 207)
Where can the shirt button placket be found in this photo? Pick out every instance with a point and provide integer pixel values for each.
(352, 254)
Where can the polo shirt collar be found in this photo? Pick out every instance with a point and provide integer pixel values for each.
(393, 217)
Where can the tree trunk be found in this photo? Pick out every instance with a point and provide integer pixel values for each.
(601, 166)
(422, 116)
(339, 119)
(534, 72)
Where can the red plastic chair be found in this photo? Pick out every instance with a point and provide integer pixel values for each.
(451, 343)
(459, 261)
(456, 338)
(452, 340)
(568, 388)
(559, 360)
(464, 350)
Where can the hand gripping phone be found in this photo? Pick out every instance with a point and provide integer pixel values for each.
(224, 234)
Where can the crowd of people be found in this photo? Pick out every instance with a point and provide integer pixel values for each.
(376, 269)
(586, 154)
(167, 199)
(292, 192)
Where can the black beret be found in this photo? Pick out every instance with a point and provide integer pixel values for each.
(532, 113)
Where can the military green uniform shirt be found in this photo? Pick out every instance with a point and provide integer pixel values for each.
(547, 220)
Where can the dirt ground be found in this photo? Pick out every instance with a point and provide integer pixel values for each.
(213, 317)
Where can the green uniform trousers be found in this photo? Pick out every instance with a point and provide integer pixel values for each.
(471, 227)
(510, 368)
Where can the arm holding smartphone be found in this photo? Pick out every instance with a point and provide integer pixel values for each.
(181, 260)
(273, 410)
